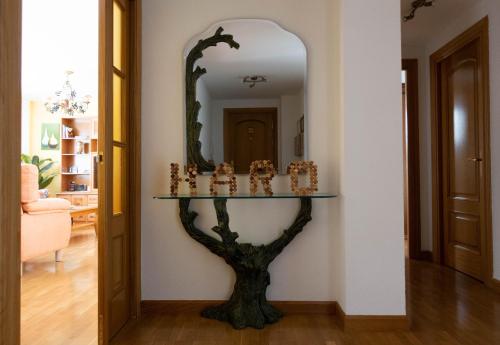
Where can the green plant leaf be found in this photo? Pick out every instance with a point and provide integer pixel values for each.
(25, 158)
(45, 167)
(45, 183)
(45, 176)
(52, 176)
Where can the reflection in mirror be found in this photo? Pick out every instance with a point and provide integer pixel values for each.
(252, 98)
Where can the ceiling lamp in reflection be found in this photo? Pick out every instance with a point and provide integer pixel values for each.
(415, 5)
(253, 80)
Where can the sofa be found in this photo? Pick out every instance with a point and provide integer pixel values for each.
(45, 222)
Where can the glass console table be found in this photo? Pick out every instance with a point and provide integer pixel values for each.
(248, 305)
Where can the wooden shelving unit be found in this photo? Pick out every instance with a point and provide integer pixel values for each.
(78, 151)
(78, 154)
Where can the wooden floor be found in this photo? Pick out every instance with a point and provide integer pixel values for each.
(59, 300)
(59, 307)
(446, 308)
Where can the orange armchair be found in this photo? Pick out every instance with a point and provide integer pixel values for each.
(45, 223)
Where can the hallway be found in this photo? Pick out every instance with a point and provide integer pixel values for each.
(445, 307)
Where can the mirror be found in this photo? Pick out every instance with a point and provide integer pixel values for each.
(245, 96)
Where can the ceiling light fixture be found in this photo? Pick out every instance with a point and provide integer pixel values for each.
(66, 102)
(415, 5)
(253, 80)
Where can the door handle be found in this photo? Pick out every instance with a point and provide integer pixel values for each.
(476, 159)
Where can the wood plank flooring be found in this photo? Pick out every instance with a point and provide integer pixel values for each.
(59, 300)
(446, 308)
(59, 307)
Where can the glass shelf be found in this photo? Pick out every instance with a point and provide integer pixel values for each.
(245, 196)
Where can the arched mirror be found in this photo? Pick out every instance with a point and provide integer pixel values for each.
(245, 96)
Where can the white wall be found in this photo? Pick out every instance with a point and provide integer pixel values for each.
(371, 158)
(173, 265)
(448, 30)
(25, 126)
(49, 28)
(353, 253)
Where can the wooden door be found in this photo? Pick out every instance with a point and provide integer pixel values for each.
(250, 134)
(464, 188)
(115, 251)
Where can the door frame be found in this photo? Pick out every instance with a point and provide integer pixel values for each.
(10, 179)
(477, 31)
(135, 91)
(413, 159)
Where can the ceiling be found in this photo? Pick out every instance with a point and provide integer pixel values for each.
(265, 49)
(428, 19)
(59, 35)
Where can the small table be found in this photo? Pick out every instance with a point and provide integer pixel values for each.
(248, 305)
(76, 211)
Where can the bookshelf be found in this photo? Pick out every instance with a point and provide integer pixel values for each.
(79, 137)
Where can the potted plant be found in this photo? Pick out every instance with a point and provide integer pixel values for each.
(45, 176)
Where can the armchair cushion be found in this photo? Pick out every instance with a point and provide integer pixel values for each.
(49, 205)
(43, 233)
(29, 183)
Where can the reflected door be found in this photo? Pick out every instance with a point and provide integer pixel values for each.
(114, 240)
(463, 187)
(250, 135)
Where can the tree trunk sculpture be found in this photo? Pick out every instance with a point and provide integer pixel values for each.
(248, 305)
(193, 106)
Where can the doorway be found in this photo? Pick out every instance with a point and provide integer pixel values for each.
(118, 174)
(59, 148)
(461, 154)
(250, 134)
(411, 159)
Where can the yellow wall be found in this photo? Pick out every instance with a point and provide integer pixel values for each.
(39, 115)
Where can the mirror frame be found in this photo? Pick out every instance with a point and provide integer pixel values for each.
(193, 106)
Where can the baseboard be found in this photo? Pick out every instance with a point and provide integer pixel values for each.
(196, 306)
(346, 322)
(495, 284)
(377, 323)
(306, 307)
(174, 307)
(426, 255)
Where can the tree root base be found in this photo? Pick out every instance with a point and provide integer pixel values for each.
(241, 317)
